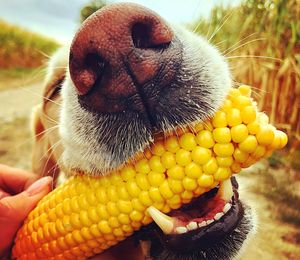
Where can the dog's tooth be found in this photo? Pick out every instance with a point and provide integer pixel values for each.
(181, 230)
(192, 225)
(165, 222)
(225, 191)
(202, 224)
(218, 215)
(209, 221)
(226, 207)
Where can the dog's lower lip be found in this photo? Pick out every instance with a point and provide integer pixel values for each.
(206, 236)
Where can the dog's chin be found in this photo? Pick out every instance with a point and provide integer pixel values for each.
(225, 238)
(96, 143)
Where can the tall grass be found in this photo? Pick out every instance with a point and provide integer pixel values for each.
(261, 40)
(22, 49)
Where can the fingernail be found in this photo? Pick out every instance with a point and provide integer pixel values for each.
(39, 185)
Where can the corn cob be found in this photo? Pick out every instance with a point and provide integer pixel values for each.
(87, 215)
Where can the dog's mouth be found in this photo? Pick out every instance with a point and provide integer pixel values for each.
(205, 221)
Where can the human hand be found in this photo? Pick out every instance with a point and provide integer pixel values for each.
(20, 191)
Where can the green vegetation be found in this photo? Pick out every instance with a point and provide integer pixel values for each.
(90, 8)
(20, 48)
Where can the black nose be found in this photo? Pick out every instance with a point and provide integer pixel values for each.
(121, 58)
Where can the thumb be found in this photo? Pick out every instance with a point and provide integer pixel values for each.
(14, 209)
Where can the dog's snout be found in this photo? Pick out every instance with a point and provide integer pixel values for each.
(116, 52)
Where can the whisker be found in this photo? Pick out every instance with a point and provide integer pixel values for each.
(38, 95)
(52, 148)
(220, 27)
(240, 41)
(253, 56)
(248, 42)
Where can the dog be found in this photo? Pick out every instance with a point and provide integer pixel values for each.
(127, 76)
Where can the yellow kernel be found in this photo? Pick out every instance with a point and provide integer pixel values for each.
(222, 174)
(235, 167)
(165, 190)
(224, 150)
(145, 198)
(127, 173)
(172, 144)
(205, 139)
(259, 151)
(83, 204)
(205, 180)
(137, 205)
(142, 181)
(193, 170)
(136, 215)
(253, 127)
(168, 160)
(248, 162)
(156, 179)
(211, 166)
(265, 135)
(283, 138)
(74, 206)
(222, 135)
(240, 156)
(227, 106)
(155, 194)
(234, 117)
(248, 114)
(249, 144)
(245, 90)
(224, 161)
(142, 166)
(242, 101)
(104, 227)
(84, 218)
(77, 236)
(158, 148)
(74, 220)
(102, 212)
(189, 183)
(187, 141)
(112, 193)
(112, 208)
(233, 93)
(124, 195)
(100, 194)
(183, 157)
(176, 172)
(175, 185)
(187, 196)
(156, 165)
(132, 188)
(219, 119)
(201, 155)
(198, 127)
(239, 133)
(116, 179)
(118, 232)
(174, 200)
(124, 219)
(124, 206)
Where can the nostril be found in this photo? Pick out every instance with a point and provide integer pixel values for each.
(89, 74)
(142, 37)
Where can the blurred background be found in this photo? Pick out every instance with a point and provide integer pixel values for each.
(260, 40)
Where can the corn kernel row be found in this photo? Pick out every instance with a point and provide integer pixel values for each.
(87, 215)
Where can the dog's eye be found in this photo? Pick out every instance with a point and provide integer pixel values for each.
(53, 90)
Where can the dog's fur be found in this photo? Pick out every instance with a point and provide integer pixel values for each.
(68, 137)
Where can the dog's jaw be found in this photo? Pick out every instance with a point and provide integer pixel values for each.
(204, 75)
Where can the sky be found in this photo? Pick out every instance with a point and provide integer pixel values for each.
(59, 19)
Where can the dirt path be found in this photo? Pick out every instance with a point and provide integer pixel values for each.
(17, 103)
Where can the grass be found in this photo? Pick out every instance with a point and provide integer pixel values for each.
(20, 48)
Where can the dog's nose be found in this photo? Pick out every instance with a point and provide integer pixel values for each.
(116, 52)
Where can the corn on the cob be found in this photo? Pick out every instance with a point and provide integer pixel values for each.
(87, 215)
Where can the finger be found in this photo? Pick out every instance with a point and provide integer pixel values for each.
(14, 209)
(3, 194)
(15, 180)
